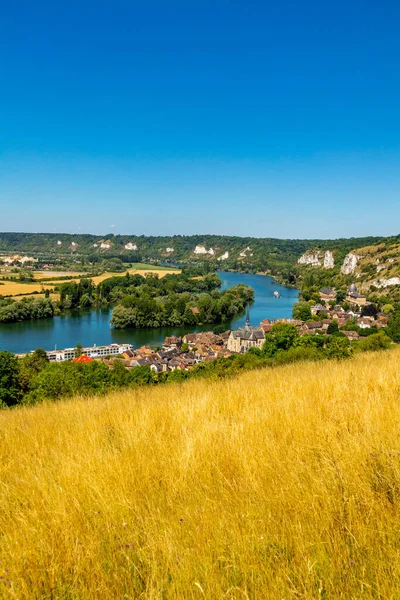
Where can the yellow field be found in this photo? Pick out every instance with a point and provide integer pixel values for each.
(280, 484)
(60, 274)
(53, 297)
(11, 288)
(160, 272)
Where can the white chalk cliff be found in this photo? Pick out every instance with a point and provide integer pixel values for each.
(349, 264)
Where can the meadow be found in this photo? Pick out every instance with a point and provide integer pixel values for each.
(278, 484)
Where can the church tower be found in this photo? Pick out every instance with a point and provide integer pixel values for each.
(248, 315)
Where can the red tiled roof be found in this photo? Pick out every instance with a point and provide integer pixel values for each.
(82, 359)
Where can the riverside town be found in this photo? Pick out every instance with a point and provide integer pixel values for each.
(184, 352)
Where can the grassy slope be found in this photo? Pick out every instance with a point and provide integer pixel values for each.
(282, 483)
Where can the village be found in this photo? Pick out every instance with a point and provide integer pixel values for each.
(184, 352)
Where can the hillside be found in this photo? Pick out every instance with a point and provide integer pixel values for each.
(281, 483)
(227, 251)
(375, 268)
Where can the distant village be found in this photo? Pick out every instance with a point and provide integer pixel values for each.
(185, 352)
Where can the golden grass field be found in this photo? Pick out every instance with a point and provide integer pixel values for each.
(279, 484)
(11, 288)
(54, 297)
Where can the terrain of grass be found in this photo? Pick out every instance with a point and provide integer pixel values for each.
(14, 288)
(11, 288)
(60, 274)
(278, 484)
(54, 297)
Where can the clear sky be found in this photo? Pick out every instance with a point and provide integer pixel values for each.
(264, 118)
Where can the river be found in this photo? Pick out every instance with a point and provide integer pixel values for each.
(90, 327)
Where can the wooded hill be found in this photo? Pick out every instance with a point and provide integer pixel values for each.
(245, 253)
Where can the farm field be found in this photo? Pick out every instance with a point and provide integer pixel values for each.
(58, 274)
(52, 296)
(281, 483)
(15, 288)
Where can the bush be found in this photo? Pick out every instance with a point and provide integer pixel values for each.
(301, 311)
(299, 354)
(376, 341)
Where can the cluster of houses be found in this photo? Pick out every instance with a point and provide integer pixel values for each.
(179, 352)
(327, 313)
(352, 296)
(185, 352)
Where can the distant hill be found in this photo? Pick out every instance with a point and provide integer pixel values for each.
(231, 252)
(279, 483)
(375, 268)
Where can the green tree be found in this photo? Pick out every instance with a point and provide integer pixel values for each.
(376, 341)
(340, 296)
(333, 327)
(301, 311)
(10, 389)
(388, 309)
(393, 328)
(281, 337)
(338, 347)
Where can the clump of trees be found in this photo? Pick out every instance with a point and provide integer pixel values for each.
(25, 310)
(180, 309)
(176, 300)
(34, 378)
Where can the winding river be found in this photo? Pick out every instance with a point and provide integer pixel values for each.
(90, 327)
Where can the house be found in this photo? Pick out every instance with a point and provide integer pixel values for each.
(351, 335)
(82, 359)
(354, 297)
(311, 327)
(327, 294)
(382, 318)
(317, 308)
(190, 339)
(144, 351)
(365, 322)
(243, 339)
(266, 325)
(173, 341)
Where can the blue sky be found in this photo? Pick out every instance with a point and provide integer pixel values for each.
(265, 118)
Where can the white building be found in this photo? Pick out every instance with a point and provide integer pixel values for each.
(91, 351)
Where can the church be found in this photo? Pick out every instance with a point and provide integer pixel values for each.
(247, 337)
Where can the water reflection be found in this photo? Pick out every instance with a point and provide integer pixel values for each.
(90, 327)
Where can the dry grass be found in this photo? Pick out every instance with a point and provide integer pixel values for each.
(60, 274)
(160, 272)
(279, 484)
(54, 297)
(99, 278)
(11, 288)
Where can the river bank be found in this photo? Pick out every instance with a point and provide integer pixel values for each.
(91, 327)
